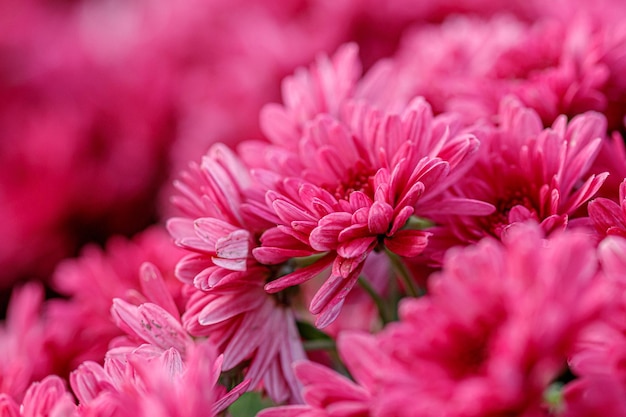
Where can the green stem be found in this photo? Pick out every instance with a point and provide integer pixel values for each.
(412, 290)
(319, 344)
(383, 309)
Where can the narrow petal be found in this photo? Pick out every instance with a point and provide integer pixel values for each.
(226, 306)
(408, 243)
(154, 288)
(300, 275)
(605, 214)
(379, 218)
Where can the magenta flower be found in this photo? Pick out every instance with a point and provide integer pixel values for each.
(351, 181)
(94, 279)
(157, 367)
(555, 66)
(496, 328)
(494, 331)
(530, 173)
(254, 330)
(144, 383)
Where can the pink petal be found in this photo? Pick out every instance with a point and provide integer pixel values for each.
(289, 212)
(154, 288)
(408, 243)
(605, 214)
(210, 229)
(365, 357)
(190, 266)
(356, 231)
(89, 380)
(400, 220)
(275, 256)
(226, 306)
(8, 407)
(461, 206)
(357, 247)
(150, 323)
(325, 236)
(233, 246)
(180, 227)
(251, 333)
(300, 275)
(379, 219)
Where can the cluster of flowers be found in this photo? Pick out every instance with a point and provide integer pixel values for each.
(441, 234)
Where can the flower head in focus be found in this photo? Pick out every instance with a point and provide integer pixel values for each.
(351, 181)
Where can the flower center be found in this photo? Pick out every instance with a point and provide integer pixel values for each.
(499, 220)
(357, 178)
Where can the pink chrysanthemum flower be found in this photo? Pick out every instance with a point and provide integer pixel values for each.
(496, 328)
(530, 173)
(253, 330)
(156, 368)
(555, 66)
(162, 384)
(94, 279)
(228, 303)
(350, 182)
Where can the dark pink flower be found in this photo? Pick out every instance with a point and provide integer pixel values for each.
(496, 328)
(94, 279)
(254, 330)
(161, 384)
(349, 183)
(530, 173)
(554, 65)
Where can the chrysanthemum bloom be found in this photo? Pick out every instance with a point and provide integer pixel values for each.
(530, 173)
(496, 328)
(256, 331)
(555, 66)
(93, 280)
(156, 368)
(146, 383)
(350, 182)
